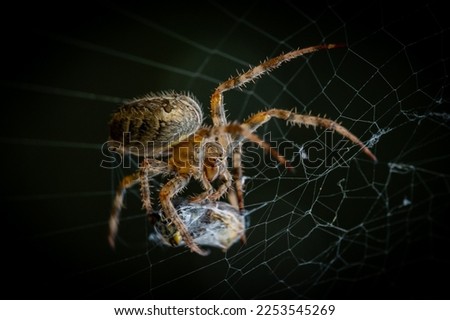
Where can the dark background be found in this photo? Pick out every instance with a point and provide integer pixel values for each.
(67, 67)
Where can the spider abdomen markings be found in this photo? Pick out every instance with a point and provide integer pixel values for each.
(148, 126)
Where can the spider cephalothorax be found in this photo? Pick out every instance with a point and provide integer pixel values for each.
(166, 131)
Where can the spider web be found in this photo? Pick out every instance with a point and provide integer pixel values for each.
(340, 226)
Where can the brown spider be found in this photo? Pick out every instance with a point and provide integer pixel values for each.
(214, 224)
(166, 130)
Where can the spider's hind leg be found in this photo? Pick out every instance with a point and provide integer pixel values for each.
(148, 168)
(114, 218)
(237, 177)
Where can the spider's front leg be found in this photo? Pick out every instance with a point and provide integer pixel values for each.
(217, 106)
(290, 117)
(168, 191)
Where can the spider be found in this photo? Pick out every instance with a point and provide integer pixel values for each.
(166, 130)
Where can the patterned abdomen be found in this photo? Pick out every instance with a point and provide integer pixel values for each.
(148, 126)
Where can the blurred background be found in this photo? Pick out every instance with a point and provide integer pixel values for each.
(345, 229)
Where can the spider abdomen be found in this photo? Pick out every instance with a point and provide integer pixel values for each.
(148, 126)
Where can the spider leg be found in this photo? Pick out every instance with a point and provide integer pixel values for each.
(226, 179)
(204, 195)
(145, 187)
(202, 177)
(244, 131)
(232, 199)
(114, 218)
(237, 176)
(293, 118)
(211, 195)
(149, 167)
(217, 108)
(236, 196)
(168, 191)
(225, 187)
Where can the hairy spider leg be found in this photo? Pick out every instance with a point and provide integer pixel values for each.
(168, 191)
(244, 131)
(203, 178)
(237, 176)
(236, 195)
(237, 167)
(290, 117)
(145, 186)
(217, 107)
(226, 179)
(114, 218)
(148, 168)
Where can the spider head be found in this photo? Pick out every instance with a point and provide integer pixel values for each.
(213, 160)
